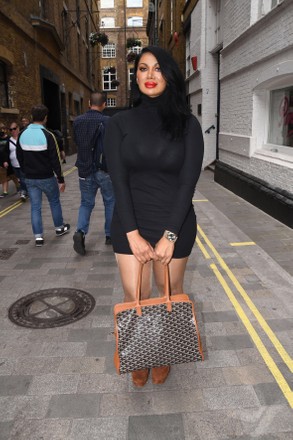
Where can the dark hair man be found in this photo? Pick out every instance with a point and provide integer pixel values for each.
(39, 159)
(88, 132)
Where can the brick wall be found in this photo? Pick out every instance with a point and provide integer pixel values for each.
(26, 49)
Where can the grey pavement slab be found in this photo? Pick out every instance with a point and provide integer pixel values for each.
(61, 383)
(163, 427)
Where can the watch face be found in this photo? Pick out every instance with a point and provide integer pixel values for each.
(171, 236)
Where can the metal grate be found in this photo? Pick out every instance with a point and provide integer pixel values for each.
(5, 254)
(51, 308)
(22, 241)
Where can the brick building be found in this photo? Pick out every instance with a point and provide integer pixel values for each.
(124, 22)
(45, 56)
(165, 28)
(239, 64)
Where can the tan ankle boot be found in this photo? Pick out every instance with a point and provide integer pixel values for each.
(160, 374)
(140, 377)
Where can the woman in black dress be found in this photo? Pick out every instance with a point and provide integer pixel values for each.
(154, 153)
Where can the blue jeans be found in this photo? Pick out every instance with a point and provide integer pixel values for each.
(36, 187)
(21, 177)
(88, 188)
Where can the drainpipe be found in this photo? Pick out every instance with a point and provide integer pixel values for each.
(218, 107)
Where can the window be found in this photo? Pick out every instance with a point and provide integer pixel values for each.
(134, 3)
(111, 102)
(3, 85)
(130, 76)
(108, 77)
(136, 49)
(107, 4)
(76, 107)
(108, 22)
(109, 51)
(134, 21)
(281, 117)
(266, 6)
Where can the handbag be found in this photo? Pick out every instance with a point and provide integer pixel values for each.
(156, 331)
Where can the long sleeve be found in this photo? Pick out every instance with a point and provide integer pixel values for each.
(54, 156)
(119, 175)
(188, 177)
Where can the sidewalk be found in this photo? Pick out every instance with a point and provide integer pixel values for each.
(60, 383)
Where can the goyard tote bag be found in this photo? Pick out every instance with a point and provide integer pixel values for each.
(156, 331)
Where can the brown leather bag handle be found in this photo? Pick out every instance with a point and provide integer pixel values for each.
(166, 290)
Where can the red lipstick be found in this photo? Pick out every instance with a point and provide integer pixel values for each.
(150, 84)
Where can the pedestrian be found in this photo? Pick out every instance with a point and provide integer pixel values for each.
(12, 142)
(3, 155)
(24, 122)
(6, 169)
(154, 152)
(39, 158)
(88, 132)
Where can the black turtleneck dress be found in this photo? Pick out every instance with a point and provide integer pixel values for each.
(154, 177)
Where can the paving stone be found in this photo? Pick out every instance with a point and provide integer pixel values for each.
(231, 342)
(126, 404)
(5, 430)
(266, 420)
(14, 385)
(239, 396)
(88, 334)
(40, 430)
(108, 428)
(7, 366)
(74, 406)
(103, 383)
(269, 393)
(220, 316)
(23, 407)
(165, 402)
(250, 375)
(48, 384)
(64, 349)
(100, 348)
(82, 365)
(151, 427)
(211, 425)
(225, 358)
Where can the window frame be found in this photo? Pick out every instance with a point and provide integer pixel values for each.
(135, 17)
(135, 6)
(111, 102)
(109, 52)
(105, 80)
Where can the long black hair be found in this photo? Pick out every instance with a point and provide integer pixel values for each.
(173, 109)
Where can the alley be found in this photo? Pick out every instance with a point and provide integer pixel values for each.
(60, 383)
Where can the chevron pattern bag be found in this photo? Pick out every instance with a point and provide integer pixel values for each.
(156, 331)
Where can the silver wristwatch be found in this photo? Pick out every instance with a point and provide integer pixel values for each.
(170, 236)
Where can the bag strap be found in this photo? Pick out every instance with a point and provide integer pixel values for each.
(166, 296)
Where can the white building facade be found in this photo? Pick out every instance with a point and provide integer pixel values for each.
(243, 86)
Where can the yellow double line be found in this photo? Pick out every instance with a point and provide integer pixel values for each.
(19, 202)
(282, 383)
(10, 208)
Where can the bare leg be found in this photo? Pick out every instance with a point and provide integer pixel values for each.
(129, 270)
(177, 268)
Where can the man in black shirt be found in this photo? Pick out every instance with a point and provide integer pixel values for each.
(88, 132)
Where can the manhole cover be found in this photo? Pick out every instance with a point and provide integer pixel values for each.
(51, 308)
(6, 253)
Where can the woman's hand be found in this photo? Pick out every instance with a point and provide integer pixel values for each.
(5, 164)
(164, 250)
(142, 250)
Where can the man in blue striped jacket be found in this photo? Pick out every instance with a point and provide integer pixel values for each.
(39, 158)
